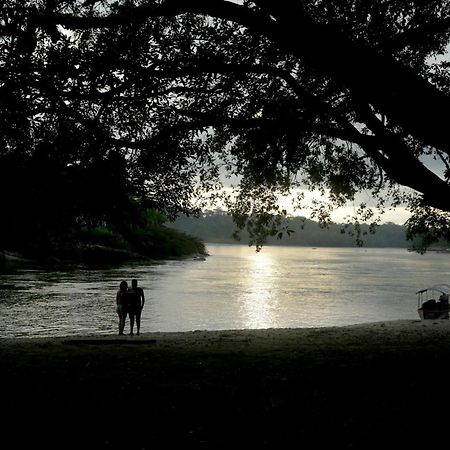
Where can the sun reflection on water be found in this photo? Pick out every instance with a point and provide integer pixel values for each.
(258, 299)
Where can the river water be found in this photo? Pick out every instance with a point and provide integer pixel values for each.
(233, 288)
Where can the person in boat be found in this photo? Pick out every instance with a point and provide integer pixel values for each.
(443, 299)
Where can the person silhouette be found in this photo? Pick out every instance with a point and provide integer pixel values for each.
(137, 300)
(122, 300)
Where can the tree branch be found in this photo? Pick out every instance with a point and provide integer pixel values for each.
(415, 35)
(168, 8)
(402, 166)
(394, 89)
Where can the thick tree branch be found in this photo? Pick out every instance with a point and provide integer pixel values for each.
(169, 8)
(404, 167)
(394, 90)
(415, 35)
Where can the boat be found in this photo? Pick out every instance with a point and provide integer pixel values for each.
(433, 302)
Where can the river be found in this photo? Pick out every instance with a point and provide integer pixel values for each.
(233, 288)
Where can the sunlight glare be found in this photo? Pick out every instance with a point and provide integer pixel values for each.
(259, 301)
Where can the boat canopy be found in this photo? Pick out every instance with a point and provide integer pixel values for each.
(443, 288)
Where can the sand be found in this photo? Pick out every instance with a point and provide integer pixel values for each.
(361, 386)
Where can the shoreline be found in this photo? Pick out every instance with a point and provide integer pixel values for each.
(411, 328)
(348, 387)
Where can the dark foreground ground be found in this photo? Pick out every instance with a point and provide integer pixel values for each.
(382, 385)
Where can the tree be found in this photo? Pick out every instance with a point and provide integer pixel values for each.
(343, 96)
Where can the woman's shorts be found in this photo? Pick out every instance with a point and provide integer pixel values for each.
(122, 309)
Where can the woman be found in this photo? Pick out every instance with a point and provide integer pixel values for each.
(122, 304)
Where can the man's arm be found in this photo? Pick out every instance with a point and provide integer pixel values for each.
(143, 298)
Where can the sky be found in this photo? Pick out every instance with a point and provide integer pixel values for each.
(399, 215)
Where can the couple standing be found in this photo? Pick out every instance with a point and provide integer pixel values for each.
(130, 301)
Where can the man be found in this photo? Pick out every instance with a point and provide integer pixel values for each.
(137, 300)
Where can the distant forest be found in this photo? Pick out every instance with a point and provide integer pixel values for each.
(218, 227)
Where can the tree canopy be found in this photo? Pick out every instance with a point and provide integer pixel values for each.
(154, 100)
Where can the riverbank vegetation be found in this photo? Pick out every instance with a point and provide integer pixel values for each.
(61, 203)
(149, 239)
(145, 237)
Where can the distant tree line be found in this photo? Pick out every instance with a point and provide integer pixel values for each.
(218, 227)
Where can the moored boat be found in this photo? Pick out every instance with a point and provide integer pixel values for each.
(433, 302)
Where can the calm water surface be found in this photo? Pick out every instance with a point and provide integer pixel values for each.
(234, 288)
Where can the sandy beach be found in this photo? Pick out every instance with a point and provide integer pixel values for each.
(360, 386)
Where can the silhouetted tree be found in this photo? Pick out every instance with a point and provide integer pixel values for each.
(340, 95)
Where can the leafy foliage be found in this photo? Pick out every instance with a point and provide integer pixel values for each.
(147, 236)
(159, 98)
